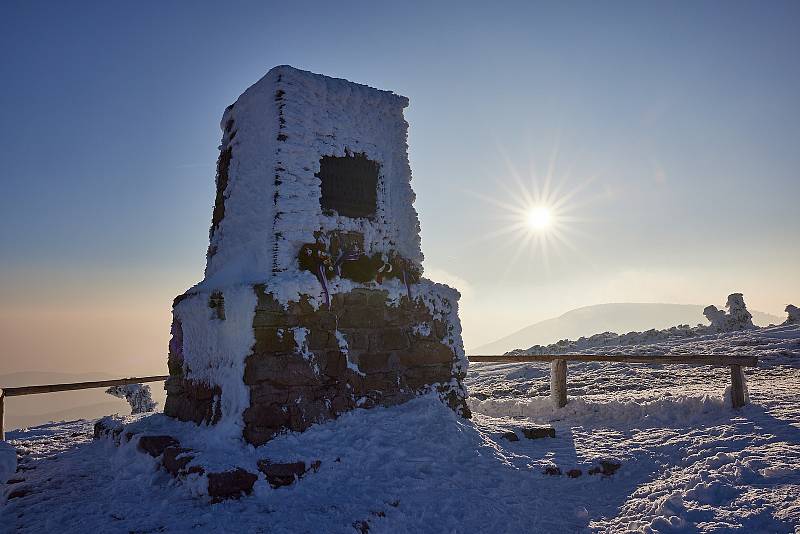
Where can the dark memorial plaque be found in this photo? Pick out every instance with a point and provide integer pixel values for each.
(349, 185)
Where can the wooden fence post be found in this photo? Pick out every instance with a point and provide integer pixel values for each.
(738, 397)
(558, 382)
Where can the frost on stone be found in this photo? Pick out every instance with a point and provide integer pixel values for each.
(736, 318)
(137, 395)
(421, 329)
(715, 316)
(345, 349)
(793, 313)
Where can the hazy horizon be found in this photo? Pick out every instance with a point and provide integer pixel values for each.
(662, 137)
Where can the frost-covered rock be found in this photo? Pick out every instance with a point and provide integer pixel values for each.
(794, 314)
(738, 316)
(138, 396)
(8, 461)
(716, 317)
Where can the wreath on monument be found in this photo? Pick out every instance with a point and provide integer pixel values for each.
(335, 259)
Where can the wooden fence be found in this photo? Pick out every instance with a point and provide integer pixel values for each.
(558, 373)
(558, 368)
(53, 388)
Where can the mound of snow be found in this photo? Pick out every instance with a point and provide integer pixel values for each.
(8, 461)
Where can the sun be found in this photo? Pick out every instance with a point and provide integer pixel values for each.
(539, 218)
(536, 217)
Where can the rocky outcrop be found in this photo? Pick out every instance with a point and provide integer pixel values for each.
(736, 318)
(284, 474)
(793, 313)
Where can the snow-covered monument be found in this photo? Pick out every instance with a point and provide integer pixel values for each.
(312, 302)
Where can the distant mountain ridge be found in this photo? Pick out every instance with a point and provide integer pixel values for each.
(613, 317)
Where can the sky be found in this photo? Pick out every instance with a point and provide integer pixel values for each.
(663, 137)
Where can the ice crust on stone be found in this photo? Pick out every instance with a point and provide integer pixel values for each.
(341, 340)
(215, 349)
(272, 196)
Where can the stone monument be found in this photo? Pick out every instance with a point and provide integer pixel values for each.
(313, 302)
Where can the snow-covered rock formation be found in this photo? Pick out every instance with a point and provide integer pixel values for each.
(313, 293)
(737, 317)
(138, 396)
(793, 314)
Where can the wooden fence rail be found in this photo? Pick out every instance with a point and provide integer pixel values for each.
(53, 388)
(558, 368)
(558, 374)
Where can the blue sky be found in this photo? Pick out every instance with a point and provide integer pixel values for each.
(673, 128)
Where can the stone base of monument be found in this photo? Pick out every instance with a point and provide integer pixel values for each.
(185, 464)
(246, 367)
(308, 365)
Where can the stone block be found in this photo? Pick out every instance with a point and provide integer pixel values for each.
(175, 459)
(537, 432)
(423, 352)
(273, 339)
(356, 298)
(389, 339)
(357, 339)
(333, 364)
(606, 468)
(361, 318)
(319, 339)
(374, 363)
(281, 474)
(279, 369)
(377, 298)
(510, 436)
(273, 319)
(230, 484)
(155, 445)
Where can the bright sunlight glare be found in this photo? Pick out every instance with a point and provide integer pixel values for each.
(539, 218)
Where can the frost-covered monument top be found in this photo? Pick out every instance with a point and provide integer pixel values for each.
(312, 302)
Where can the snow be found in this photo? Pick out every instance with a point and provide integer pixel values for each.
(215, 349)
(344, 348)
(729, 333)
(138, 396)
(8, 461)
(272, 202)
(689, 462)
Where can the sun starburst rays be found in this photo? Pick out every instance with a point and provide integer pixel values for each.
(536, 216)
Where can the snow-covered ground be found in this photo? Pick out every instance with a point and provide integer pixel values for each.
(689, 462)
